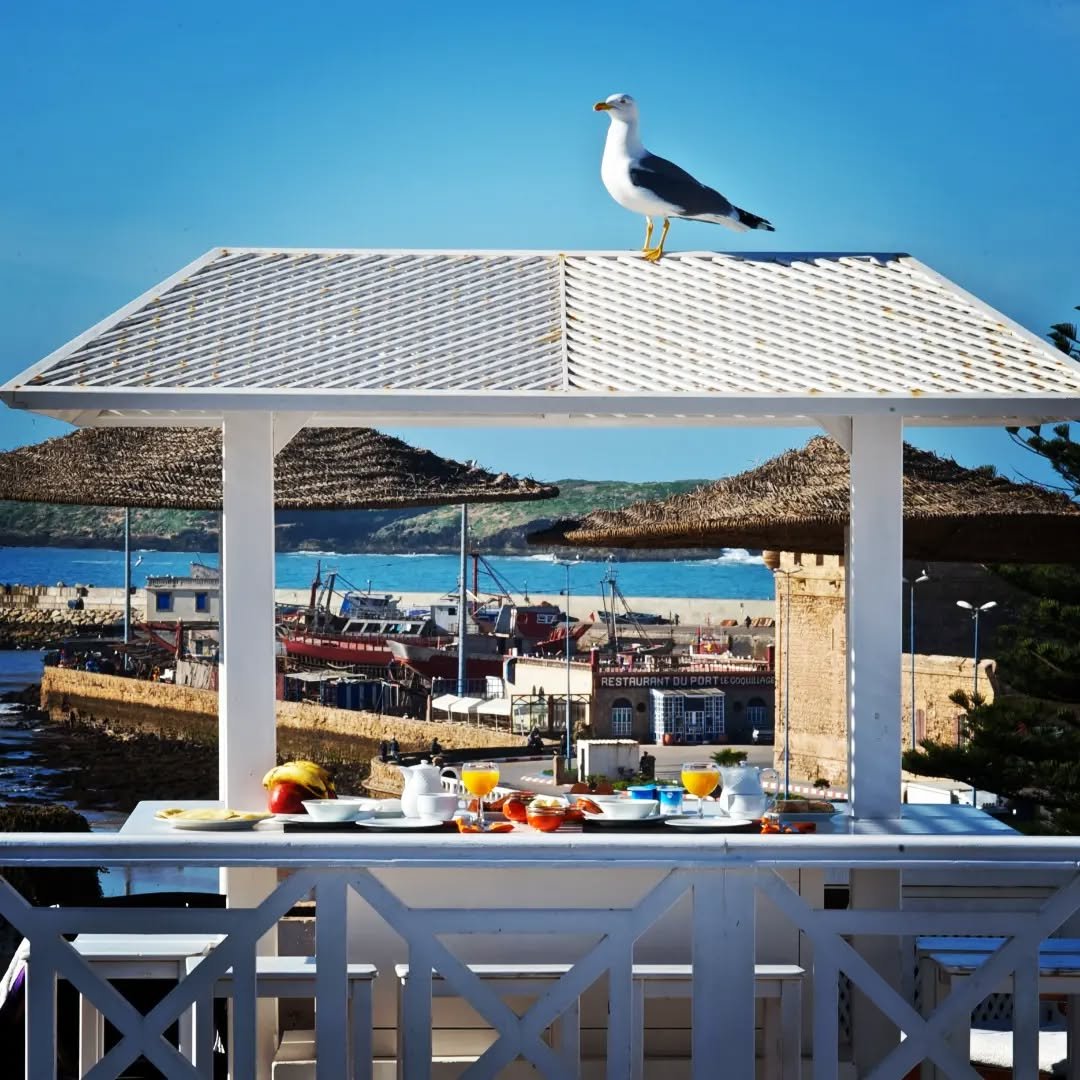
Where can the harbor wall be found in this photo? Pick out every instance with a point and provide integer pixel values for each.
(180, 712)
(185, 712)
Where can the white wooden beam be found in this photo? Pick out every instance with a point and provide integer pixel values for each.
(838, 427)
(874, 573)
(481, 406)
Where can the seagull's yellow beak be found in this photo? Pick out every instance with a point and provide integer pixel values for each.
(601, 106)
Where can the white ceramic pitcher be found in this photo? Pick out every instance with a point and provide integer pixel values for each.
(422, 779)
(742, 793)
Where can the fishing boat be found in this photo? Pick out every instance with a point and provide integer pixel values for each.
(482, 658)
(356, 633)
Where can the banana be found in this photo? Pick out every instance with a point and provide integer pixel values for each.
(305, 773)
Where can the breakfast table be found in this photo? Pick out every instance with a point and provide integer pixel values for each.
(526, 897)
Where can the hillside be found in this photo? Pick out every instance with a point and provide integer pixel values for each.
(497, 527)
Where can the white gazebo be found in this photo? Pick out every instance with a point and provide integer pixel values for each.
(265, 342)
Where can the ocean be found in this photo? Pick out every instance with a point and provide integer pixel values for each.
(18, 669)
(733, 575)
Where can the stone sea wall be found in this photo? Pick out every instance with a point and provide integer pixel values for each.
(184, 712)
(176, 711)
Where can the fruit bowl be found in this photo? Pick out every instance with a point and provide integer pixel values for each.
(335, 810)
(630, 809)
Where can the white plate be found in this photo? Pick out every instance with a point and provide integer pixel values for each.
(717, 823)
(228, 825)
(307, 819)
(406, 823)
(624, 823)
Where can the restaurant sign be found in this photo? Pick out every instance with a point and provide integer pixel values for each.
(688, 681)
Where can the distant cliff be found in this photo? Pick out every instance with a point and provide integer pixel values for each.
(497, 528)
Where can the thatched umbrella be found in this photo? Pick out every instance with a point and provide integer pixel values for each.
(799, 501)
(180, 468)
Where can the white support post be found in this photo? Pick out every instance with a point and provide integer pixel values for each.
(874, 566)
(247, 735)
(246, 732)
(874, 586)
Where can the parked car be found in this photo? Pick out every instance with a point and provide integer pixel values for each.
(764, 735)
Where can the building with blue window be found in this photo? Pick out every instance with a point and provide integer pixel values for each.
(193, 599)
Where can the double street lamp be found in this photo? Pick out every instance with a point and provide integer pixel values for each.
(975, 612)
(924, 576)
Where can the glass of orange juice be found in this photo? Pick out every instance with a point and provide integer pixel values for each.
(479, 778)
(700, 778)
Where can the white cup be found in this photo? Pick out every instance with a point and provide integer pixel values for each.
(442, 805)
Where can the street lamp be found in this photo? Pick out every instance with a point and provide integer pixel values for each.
(975, 611)
(924, 576)
(566, 592)
(787, 682)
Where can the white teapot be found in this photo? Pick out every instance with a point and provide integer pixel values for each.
(742, 794)
(422, 779)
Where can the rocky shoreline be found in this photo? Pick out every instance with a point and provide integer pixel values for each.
(94, 765)
(31, 628)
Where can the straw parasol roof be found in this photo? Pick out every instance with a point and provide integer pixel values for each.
(180, 468)
(799, 501)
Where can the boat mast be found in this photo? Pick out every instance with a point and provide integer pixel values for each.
(316, 582)
(462, 590)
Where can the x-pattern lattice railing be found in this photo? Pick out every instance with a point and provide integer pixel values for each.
(726, 881)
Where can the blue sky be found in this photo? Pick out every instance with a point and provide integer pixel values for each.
(139, 135)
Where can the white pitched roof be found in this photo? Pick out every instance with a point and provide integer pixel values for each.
(344, 336)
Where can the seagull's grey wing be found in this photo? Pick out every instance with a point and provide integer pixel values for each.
(676, 186)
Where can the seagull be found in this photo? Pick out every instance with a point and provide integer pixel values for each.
(655, 187)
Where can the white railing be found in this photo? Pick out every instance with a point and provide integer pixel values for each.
(601, 898)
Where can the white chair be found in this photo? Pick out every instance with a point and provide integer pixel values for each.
(133, 956)
(779, 985)
(291, 977)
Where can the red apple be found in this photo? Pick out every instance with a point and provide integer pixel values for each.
(288, 798)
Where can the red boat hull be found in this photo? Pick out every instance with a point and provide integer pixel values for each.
(356, 649)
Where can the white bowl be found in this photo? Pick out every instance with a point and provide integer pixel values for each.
(630, 809)
(362, 802)
(334, 810)
(598, 799)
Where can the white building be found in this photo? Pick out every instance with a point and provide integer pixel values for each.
(192, 599)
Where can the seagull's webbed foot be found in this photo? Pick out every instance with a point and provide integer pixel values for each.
(655, 254)
(648, 233)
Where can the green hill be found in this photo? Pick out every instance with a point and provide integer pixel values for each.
(496, 527)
